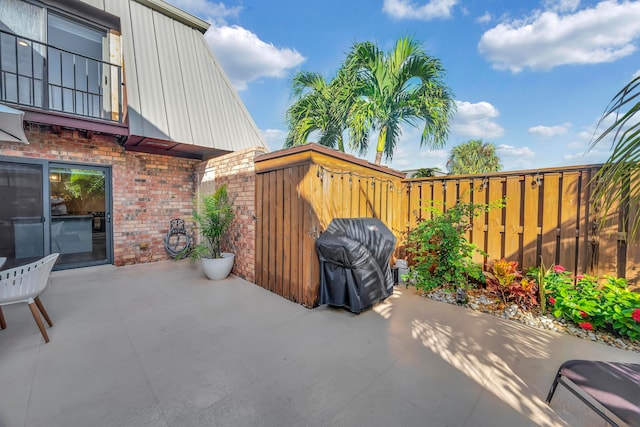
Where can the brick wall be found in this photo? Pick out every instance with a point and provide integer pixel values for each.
(148, 190)
(237, 170)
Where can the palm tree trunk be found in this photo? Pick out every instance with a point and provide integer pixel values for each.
(382, 139)
(340, 144)
(378, 157)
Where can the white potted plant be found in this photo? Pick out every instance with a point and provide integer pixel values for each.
(213, 221)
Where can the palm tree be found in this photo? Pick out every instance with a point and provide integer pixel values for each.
(402, 86)
(614, 181)
(426, 172)
(473, 157)
(320, 106)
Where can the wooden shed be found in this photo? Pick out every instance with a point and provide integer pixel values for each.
(298, 191)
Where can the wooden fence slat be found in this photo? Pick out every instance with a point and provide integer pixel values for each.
(295, 235)
(307, 239)
(607, 240)
(479, 195)
(317, 225)
(266, 226)
(494, 223)
(377, 198)
(302, 207)
(438, 196)
(632, 271)
(451, 193)
(464, 196)
(259, 201)
(550, 188)
(354, 190)
(530, 256)
(512, 225)
(569, 221)
(415, 212)
(279, 226)
(286, 233)
(584, 224)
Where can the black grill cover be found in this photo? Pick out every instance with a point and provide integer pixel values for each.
(354, 263)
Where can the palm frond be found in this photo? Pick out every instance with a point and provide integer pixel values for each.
(617, 182)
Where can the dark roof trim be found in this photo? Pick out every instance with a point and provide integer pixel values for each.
(73, 122)
(313, 147)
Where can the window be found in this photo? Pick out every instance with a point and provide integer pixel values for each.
(53, 61)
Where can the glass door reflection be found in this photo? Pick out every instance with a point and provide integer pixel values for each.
(78, 207)
(21, 213)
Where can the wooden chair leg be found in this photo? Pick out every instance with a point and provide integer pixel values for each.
(43, 311)
(36, 316)
(3, 324)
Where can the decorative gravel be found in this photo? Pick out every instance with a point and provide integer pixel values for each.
(482, 301)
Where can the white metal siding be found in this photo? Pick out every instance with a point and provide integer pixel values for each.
(150, 84)
(176, 89)
(121, 8)
(171, 72)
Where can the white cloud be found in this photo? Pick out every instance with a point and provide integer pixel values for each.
(274, 138)
(561, 5)
(211, 11)
(548, 39)
(550, 131)
(476, 120)
(484, 18)
(636, 74)
(515, 158)
(589, 157)
(243, 55)
(513, 151)
(246, 58)
(407, 9)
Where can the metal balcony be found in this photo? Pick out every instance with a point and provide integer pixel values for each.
(41, 76)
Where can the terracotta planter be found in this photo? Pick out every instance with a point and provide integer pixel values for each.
(218, 268)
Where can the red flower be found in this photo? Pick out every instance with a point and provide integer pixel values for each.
(552, 300)
(583, 314)
(636, 315)
(558, 269)
(580, 277)
(586, 325)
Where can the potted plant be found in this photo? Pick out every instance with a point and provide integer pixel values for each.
(213, 222)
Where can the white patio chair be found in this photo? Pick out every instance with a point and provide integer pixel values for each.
(25, 284)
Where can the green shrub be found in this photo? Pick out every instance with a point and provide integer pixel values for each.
(607, 305)
(442, 254)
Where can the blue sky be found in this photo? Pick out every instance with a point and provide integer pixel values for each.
(532, 77)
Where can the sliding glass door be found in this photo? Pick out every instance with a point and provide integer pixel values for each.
(22, 231)
(80, 217)
(55, 207)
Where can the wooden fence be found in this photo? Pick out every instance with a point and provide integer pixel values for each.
(298, 192)
(548, 215)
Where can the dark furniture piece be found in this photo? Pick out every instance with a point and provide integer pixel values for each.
(615, 386)
(354, 263)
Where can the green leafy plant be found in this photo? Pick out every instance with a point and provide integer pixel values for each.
(505, 280)
(442, 254)
(594, 304)
(212, 222)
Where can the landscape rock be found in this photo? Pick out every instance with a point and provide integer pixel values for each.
(481, 300)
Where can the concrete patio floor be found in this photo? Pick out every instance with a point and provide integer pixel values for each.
(159, 345)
